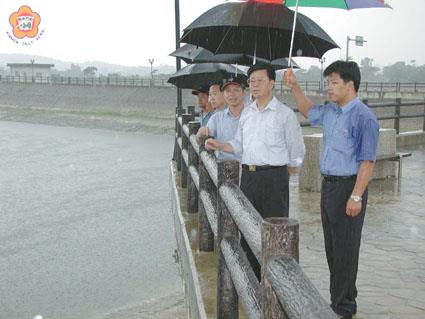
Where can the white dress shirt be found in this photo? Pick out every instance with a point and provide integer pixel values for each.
(269, 137)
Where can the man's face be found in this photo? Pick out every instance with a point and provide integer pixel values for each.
(259, 84)
(216, 97)
(202, 100)
(233, 95)
(337, 88)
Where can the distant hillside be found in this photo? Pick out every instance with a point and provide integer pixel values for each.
(102, 67)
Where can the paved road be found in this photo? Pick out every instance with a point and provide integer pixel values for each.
(85, 228)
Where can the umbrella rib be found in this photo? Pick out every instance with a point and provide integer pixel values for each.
(225, 36)
(305, 34)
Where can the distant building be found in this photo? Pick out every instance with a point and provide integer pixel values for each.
(30, 72)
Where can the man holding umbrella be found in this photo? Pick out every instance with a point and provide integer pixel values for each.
(350, 139)
(270, 140)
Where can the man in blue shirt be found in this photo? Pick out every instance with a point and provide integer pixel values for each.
(350, 139)
(204, 104)
(224, 123)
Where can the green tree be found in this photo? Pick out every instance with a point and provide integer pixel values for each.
(369, 71)
(90, 71)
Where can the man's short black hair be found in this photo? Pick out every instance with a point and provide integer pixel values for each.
(347, 70)
(203, 89)
(271, 73)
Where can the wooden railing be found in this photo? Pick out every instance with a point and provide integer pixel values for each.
(225, 213)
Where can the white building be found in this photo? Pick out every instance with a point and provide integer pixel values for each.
(30, 72)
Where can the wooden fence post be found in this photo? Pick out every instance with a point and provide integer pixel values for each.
(191, 109)
(227, 296)
(186, 118)
(397, 114)
(205, 233)
(279, 236)
(192, 191)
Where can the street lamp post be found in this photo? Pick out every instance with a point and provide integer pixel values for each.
(358, 40)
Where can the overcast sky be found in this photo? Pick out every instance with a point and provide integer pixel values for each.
(130, 32)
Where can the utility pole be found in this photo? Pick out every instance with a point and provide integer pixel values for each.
(358, 41)
(178, 62)
(32, 70)
(151, 62)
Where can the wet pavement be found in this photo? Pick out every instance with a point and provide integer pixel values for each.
(391, 277)
(85, 225)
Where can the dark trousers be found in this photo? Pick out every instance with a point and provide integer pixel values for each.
(342, 235)
(268, 192)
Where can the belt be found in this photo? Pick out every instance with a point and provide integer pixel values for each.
(332, 178)
(255, 168)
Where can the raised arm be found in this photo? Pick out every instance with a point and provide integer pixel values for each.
(304, 104)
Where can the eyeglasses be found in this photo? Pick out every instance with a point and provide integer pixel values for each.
(256, 81)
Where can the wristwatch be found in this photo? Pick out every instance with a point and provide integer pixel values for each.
(356, 198)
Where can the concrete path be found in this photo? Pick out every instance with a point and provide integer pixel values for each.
(391, 278)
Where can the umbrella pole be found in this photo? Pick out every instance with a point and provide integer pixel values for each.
(293, 33)
(255, 51)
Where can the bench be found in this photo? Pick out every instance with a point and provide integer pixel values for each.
(396, 157)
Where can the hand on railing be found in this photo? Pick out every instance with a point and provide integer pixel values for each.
(212, 144)
(203, 131)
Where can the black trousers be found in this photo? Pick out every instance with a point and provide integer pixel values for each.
(268, 191)
(342, 235)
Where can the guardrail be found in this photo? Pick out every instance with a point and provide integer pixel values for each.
(224, 212)
(398, 105)
(88, 81)
(378, 88)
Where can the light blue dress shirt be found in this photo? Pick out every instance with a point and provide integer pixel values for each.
(223, 125)
(350, 136)
(204, 118)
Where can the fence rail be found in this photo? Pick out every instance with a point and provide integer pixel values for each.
(380, 88)
(224, 214)
(398, 105)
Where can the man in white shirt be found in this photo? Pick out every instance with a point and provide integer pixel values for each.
(270, 139)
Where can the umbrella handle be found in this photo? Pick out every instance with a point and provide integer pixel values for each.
(292, 36)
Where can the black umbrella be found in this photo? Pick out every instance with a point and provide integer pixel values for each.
(259, 29)
(193, 54)
(194, 76)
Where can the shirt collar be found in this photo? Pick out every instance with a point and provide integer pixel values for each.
(271, 106)
(227, 112)
(347, 107)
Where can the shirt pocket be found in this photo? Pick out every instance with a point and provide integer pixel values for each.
(343, 140)
(274, 135)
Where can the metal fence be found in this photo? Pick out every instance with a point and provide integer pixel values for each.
(398, 105)
(89, 81)
(225, 213)
(379, 88)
